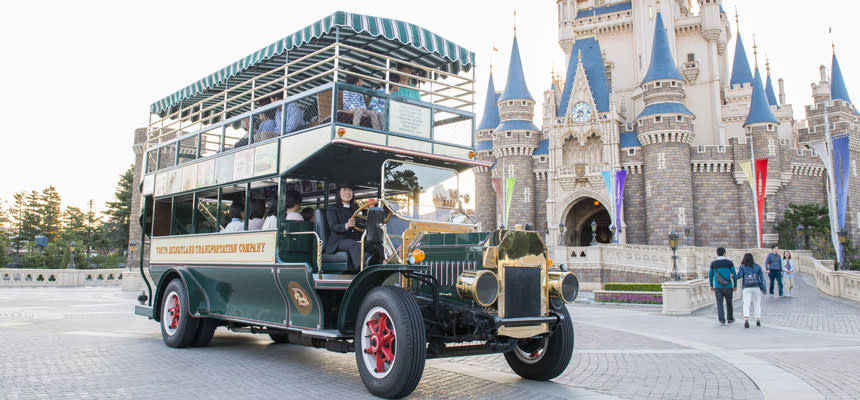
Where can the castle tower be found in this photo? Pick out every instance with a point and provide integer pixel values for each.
(760, 127)
(514, 141)
(485, 195)
(566, 18)
(739, 92)
(666, 132)
(134, 232)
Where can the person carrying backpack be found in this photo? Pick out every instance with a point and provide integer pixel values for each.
(752, 280)
(721, 278)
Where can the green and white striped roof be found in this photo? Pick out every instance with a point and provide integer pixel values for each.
(382, 35)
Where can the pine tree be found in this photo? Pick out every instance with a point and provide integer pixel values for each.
(50, 205)
(119, 210)
(16, 215)
(74, 224)
(31, 218)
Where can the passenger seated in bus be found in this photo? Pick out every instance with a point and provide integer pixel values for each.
(271, 221)
(354, 103)
(235, 215)
(308, 214)
(404, 84)
(293, 202)
(343, 235)
(257, 212)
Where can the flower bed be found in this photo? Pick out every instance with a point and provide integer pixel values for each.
(635, 297)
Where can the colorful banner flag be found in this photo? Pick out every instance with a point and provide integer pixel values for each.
(761, 186)
(746, 166)
(500, 199)
(620, 178)
(509, 194)
(607, 180)
(841, 168)
(820, 148)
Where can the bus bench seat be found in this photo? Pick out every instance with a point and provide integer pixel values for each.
(337, 262)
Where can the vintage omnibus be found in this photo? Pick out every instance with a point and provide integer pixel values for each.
(378, 104)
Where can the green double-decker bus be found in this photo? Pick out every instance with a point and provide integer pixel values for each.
(385, 108)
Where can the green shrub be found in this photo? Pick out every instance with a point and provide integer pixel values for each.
(109, 261)
(634, 287)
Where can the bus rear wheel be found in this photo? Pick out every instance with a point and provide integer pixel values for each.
(544, 357)
(390, 344)
(178, 329)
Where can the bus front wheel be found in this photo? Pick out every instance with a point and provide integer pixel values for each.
(390, 344)
(178, 329)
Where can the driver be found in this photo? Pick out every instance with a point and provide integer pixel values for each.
(343, 235)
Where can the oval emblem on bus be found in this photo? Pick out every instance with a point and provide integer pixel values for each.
(299, 298)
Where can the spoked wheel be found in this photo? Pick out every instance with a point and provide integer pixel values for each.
(390, 342)
(544, 357)
(178, 329)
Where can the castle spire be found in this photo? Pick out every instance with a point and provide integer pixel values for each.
(662, 65)
(759, 109)
(741, 65)
(838, 90)
(768, 87)
(490, 117)
(515, 87)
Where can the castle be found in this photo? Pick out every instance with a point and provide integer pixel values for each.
(650, 90)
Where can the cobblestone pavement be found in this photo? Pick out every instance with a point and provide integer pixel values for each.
(84, 343)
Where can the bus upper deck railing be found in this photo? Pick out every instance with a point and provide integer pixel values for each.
(333, 63)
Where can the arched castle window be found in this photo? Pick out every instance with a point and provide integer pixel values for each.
(589, 152)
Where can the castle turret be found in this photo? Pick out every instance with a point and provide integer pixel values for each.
(760, 127)
(666, 132)
(514, 141)
(738, 93)
(566, 18)
(485, 195)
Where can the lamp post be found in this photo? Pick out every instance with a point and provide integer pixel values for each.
(612, 232)
(593, 233)
(800, 237)
(72, 256)
(132, 246)
(843, 238)
(687, 235)
(673, 243)
(561, 234)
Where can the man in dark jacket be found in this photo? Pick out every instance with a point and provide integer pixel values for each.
(773, 264)
(720, 277)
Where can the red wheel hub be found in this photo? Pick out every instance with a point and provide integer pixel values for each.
(174, 312)
(381, 341)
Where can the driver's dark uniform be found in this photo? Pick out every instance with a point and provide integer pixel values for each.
(344, 239)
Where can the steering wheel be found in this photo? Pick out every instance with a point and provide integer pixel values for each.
(358, 214)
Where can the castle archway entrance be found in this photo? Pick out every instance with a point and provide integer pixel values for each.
(577, 223)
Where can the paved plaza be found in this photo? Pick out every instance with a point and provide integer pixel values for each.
(85, 343)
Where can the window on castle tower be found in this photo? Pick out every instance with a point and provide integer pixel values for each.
(509, 134)
(528, 134)
(658, 84)
(673, 84)
(658, 119)
(691, 57)
(679, 118)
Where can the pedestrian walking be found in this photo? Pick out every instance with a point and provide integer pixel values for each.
(752, 280)
(773, 264)
(721, 278)
(788, 270)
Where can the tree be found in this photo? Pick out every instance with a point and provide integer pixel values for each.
(16, 214)
(74, 228)
(50, 209)
(92, 224)
(119, 210)
(815, 222)
(31, 219)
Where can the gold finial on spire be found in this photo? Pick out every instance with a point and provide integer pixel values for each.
(755, 51)
(579, 56)
(515, 22)
(767, 63)
(737, 20)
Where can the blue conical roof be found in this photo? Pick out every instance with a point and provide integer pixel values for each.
(595, 71)
(838, 91)
(741, 66)
(515, 87)
(759, 109)
(490, 118)
(662, 65)
(768, 89)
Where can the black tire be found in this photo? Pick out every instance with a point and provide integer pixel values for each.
(279, 337)
(205, 331)
(389, 318)
(542, 358)
(178, 329)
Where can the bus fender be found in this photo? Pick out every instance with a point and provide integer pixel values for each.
(198, 302)
(361, 285)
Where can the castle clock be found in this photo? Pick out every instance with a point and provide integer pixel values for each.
(581, 112)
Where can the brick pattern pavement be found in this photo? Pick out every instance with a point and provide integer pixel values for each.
(832, 373)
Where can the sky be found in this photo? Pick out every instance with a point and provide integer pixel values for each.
(79, 77)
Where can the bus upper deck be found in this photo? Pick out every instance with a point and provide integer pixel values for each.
(347, 79)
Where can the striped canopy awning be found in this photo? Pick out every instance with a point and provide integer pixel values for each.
(398, 39)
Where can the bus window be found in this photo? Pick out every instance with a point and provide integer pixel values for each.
(161, 217)
(167, 156)
(236, 134)
(188, 149)
(151, 160)
(183, 211)
(210, 142)
(229, 195)
(207, 211)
